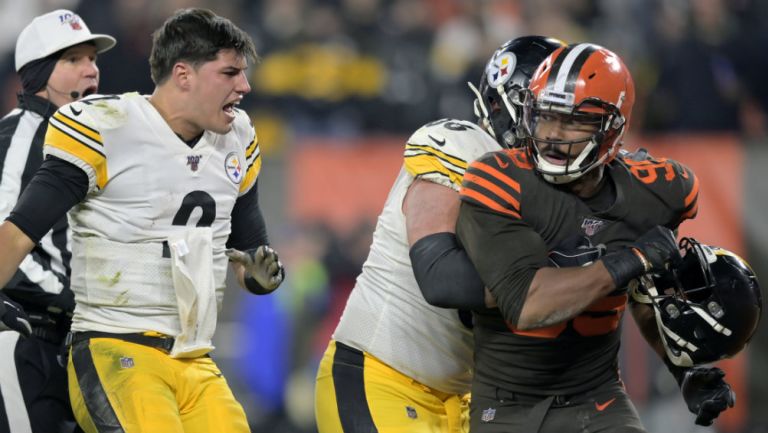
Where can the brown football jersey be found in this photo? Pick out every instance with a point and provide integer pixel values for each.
(509, 222)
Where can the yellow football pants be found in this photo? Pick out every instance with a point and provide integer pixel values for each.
(118, 386)
(355, 392)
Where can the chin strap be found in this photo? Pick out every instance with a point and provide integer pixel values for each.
(481, 111)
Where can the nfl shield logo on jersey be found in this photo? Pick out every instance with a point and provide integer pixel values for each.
(233, 167)
(592, 225)
(488, 414)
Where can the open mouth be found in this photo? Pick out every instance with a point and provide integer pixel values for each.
(556, 158)
(89, 91)
(229, 109)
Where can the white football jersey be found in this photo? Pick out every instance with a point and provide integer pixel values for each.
(145, 184)
(386, 314)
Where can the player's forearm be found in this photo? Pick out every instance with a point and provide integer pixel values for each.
(646, 323)
(15, 245)
(559, 294)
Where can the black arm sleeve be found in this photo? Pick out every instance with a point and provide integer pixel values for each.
(506, 253)
(445, 274)
(248, 227)
(56, 187)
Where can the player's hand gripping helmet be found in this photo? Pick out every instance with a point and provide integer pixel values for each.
(708, 308)
(510, 68)
(582, 85)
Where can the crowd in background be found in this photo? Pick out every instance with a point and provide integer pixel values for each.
(354, 68)
(341, 67)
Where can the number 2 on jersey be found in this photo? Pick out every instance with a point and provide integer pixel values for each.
(193, 200)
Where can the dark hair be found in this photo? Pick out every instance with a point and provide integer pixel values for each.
(195, 36)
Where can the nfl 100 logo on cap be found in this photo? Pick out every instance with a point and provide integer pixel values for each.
(72, 19)
(53, 32)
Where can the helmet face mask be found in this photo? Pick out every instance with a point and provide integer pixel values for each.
(588, 125)
(497, 105)
(708, 308)
(580, 81)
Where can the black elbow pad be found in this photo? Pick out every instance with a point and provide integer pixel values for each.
(445, 274)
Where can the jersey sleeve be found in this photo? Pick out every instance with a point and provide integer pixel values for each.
(490, 183)
(439, 152)
(73, 135)
(505, 251)
(252, 156)
(676, 184)
(689, 191)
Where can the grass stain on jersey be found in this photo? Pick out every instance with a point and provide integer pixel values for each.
(122, 298)
(110, 281)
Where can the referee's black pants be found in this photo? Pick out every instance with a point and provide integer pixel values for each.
(33, 385)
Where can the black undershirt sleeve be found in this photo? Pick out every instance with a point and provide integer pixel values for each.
(444, 273)
(248, 227)
(55, 188)
(506, 253)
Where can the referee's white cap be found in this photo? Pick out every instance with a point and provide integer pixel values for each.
(55, 31)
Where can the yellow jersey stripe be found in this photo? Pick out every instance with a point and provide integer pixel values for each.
(419, 165)
(442, 155)
(252, 147)
(58, 139)
(79, 127)
(251, 174)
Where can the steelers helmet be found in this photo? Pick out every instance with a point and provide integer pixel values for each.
(508, 71)
(707, 308)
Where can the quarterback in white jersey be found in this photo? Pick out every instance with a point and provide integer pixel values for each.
(147, 187)
(162, 192)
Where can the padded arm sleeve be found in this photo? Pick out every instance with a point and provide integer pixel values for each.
(445, 274)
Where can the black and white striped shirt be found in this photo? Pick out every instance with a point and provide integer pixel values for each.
(42, 280)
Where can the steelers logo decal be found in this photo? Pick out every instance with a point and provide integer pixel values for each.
(500, 69)
(234, 168)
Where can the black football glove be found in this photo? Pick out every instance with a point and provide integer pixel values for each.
(655, 251)
(706, 393)
(12, 316)
(263, 270)
(659, 247)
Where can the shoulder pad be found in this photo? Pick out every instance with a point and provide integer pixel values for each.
(242, 125)
(441, 150)
(493, 182)
(458, 138)
(672, 181)
(99, 112)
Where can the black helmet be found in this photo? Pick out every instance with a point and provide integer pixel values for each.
(711, 307)
(509, 70)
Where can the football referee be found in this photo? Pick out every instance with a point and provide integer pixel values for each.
(56, 61)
